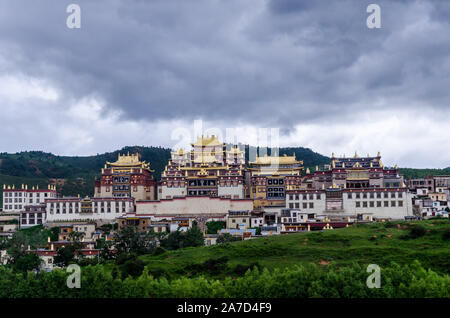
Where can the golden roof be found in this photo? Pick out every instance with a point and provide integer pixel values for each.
(235, 150)
(128, 161)
(207, 141)
(272, 160)
(179, 152)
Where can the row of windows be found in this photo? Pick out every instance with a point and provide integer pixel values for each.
(71, 211)
(31, 215)
(13, 207)
(305, 205)
(378, 195)
(19, 194)
(101, 204)
(305, 196)
(31, 221)
(19, 200)
(358, 195)
(358, 204)
(379, 204)
(275, 181)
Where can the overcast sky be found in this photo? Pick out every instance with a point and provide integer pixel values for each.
(139, 72)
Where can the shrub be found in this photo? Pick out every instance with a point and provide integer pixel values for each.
(242, 269)
(389, 224)
(417, 231)
(213, 266)
(159, 250)
(446, 234)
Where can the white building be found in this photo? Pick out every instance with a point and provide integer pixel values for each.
(193, 206)
(15, 200)
(87, 209)
(363, 203)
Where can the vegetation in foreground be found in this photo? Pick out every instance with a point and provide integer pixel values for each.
(413, 256)
(375, 243)
(299, 281)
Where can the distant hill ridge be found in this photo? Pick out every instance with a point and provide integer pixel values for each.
(78, 173)
(38, 164)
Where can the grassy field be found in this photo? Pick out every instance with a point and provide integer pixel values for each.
(377, 243)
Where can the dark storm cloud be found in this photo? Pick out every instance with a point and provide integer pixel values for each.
(279, 62)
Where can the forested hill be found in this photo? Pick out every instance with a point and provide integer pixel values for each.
(76, 174)
(37, 164)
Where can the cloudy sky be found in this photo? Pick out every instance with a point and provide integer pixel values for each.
(140, 72)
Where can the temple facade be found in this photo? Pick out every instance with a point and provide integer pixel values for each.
(355, 173)
(209, 169)
(360, 203)
(271, 177)
(359, 187)
(128, 177)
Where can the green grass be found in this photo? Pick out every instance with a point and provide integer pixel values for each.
(377, 243)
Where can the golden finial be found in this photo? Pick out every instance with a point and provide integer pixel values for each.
(307, 171)
(356, 155)
(379, 154)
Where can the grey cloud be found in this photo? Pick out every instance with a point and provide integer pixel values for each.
(275, 63)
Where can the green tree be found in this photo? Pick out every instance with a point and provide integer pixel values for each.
(417, 231)
(178, 239)
(65, 255)
(213, 227)
(129, 239)
(194, 237)
(227, 238)
(27, 262)
(76, 236)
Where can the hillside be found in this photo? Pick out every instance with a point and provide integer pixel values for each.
(422, 173)
(376, 243)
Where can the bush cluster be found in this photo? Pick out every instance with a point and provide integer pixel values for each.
(300, 281)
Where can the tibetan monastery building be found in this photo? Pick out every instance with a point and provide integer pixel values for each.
(128, 177)
(356, 173)
(209, 169)
(271, 177)
(360, 187)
